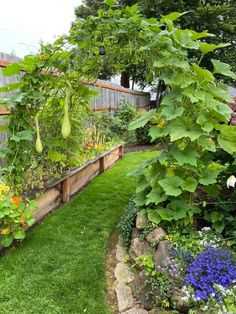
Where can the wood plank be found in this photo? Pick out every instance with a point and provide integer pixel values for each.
(66, 188)
(80, 179)
(47, 202)
(111, 158)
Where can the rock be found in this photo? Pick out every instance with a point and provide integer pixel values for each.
(177, 300)
(123, 273)
(155, 235)
(135, 311)
(163, 252)
(135, 233)
(124, 297)
(120, 253)
(160, 311)
(141, 221)
(137, 248)
(143, 291)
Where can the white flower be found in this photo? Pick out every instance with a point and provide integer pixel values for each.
(231, 181)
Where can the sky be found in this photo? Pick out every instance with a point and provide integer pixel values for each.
(24, 23)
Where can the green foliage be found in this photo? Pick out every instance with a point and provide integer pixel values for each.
(127, 223)
(142, 133)
(120, 121)
(15, 216)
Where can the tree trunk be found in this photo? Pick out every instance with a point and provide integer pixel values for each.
(124, 80)
(160, 90)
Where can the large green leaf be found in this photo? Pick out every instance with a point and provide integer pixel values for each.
(171, 185)
(12, 69)
(184, 128)
(216, 216)
(190, 184)
(142, 120)
(205, 47)
(205, 120)
(209, 177)
(156, 196)
(172, 112)
(172, 16)
(220, 91)
(25, 135)
(156, 132)
(186, 156)
(110, 3)
(207, 143)
(223, 68)
(227, 138)
(153, 216)
(184, 38)
(165, 213)
(202, 74)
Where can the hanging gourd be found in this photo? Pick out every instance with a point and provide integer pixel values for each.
(38, 143)
(66, 127)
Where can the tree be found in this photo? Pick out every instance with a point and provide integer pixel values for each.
(217, 16)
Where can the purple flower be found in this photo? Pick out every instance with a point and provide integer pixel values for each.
(212, 266)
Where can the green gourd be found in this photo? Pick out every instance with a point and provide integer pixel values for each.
(38, 143)
(66, 127)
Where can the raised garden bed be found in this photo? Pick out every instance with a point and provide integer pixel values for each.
(72, 181)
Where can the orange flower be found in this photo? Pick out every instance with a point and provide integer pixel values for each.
(22, 218)
(17, 200)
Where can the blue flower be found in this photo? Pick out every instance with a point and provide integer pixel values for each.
(212, 266)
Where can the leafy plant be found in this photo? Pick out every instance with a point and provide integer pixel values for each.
(15, 216)
(127, 223)
(122, 117)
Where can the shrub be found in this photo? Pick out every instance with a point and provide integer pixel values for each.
(142, 134)
(121, 120)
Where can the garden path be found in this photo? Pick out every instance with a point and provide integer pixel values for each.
(60, 266)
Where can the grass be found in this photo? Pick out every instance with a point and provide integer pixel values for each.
(59, 267)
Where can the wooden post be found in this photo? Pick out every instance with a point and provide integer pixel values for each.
(121, 151)
(66, 190)
(102, 164)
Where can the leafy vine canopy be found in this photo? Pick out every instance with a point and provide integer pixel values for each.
(191, 123)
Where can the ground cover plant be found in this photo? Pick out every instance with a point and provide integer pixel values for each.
(60, 266)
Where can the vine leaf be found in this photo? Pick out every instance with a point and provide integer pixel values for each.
(189, 184)
(156, 132)
(186, 156)
(205, 47)
(223, 68)
(156, 196)
(142, 120)
(171, 185)
(227, 138)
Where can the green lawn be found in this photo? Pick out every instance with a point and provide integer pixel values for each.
(59, 268)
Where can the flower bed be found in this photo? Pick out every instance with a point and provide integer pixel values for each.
(179, 270)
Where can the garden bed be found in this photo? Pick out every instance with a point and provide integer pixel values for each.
(74, 180)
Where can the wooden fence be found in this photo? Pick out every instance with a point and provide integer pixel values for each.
(110, 95)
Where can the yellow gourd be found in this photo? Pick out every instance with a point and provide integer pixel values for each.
(66, 127)
(38, 143)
